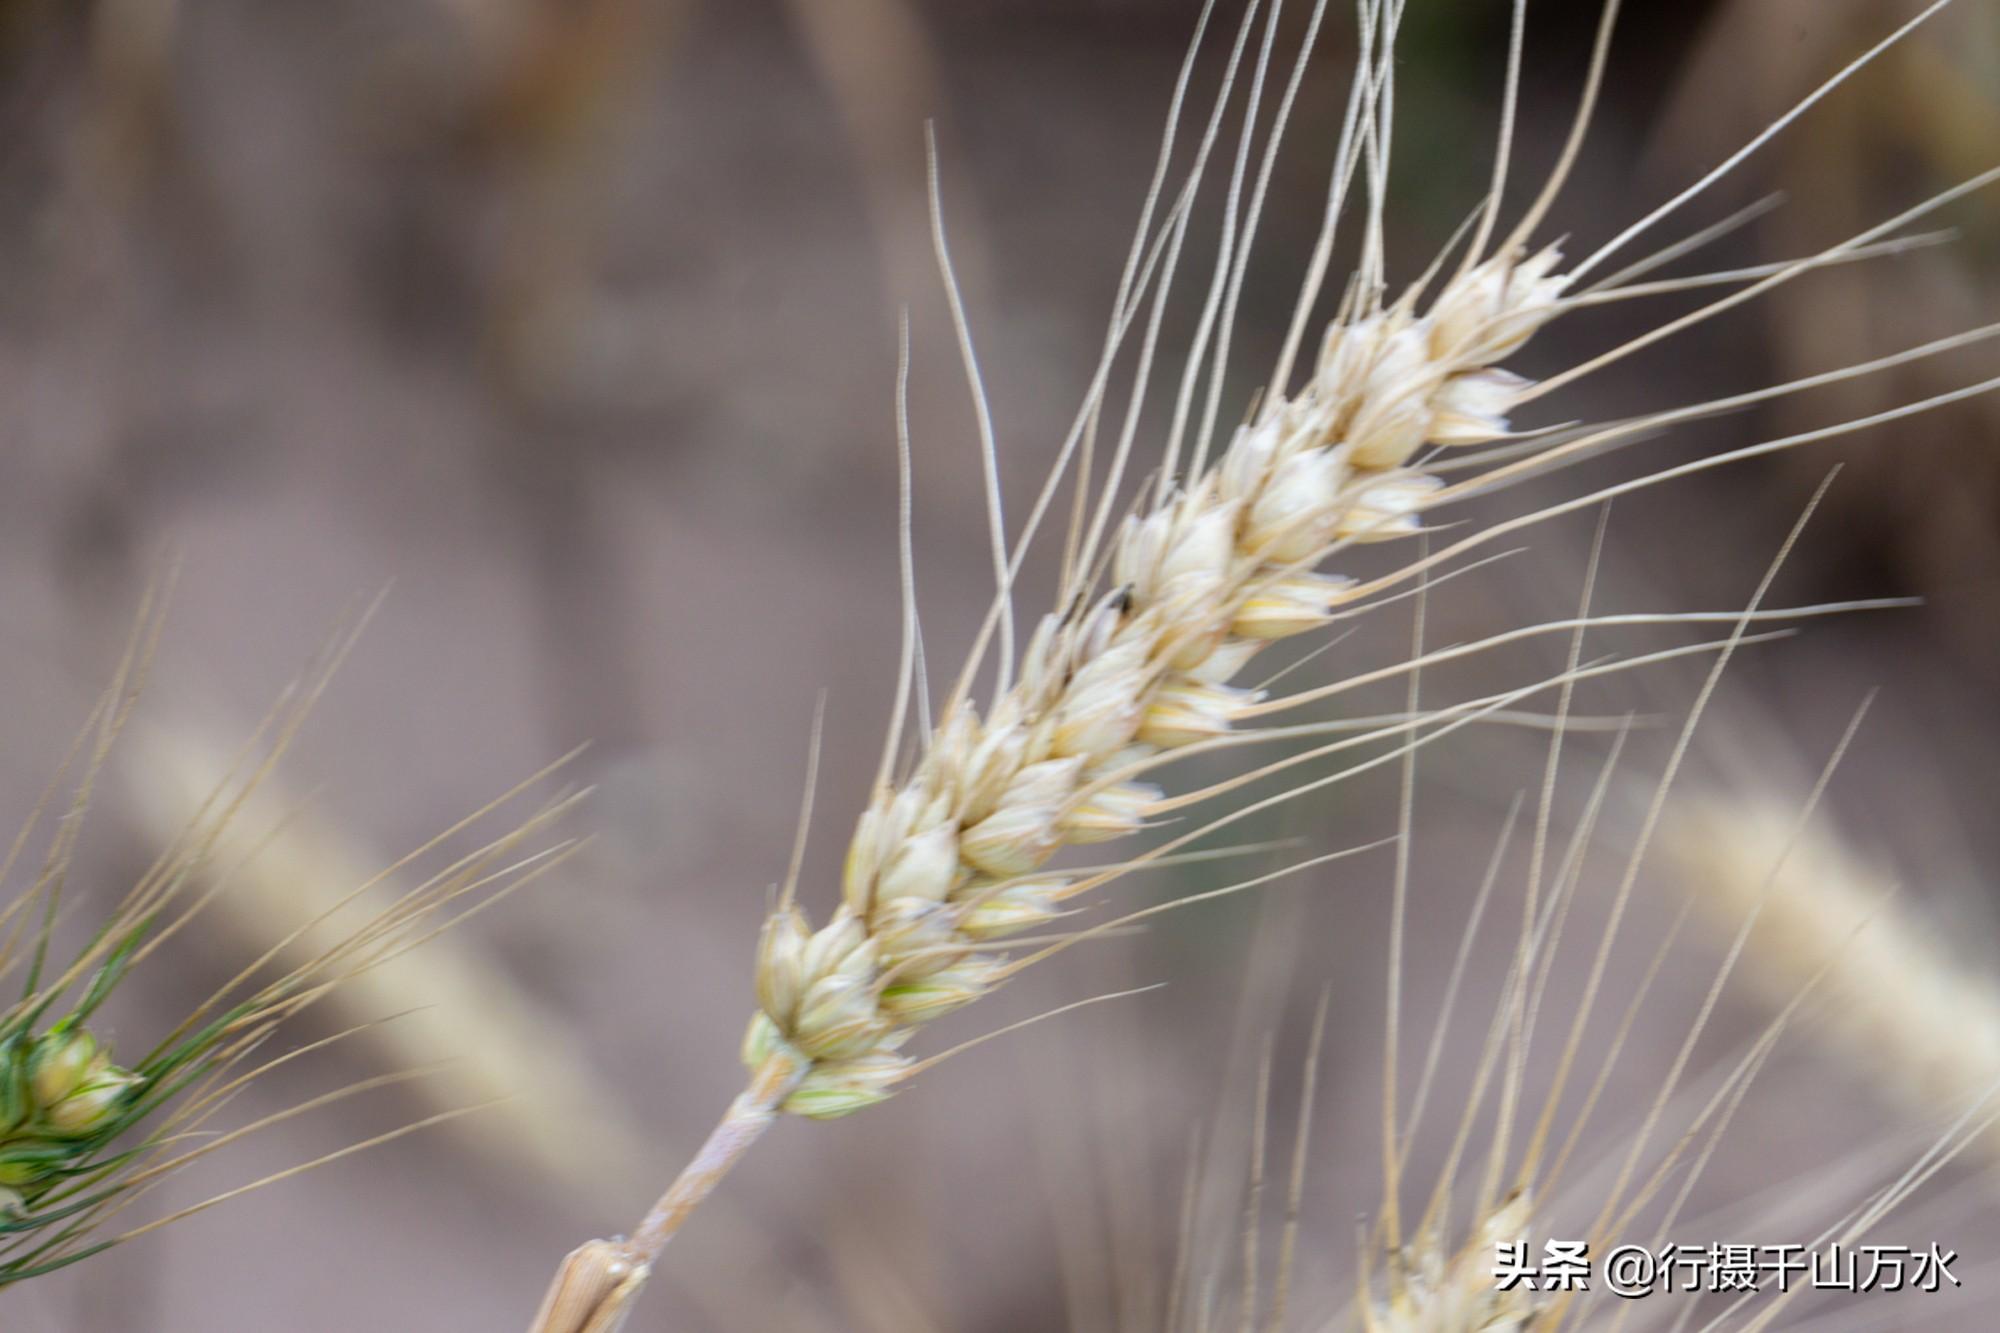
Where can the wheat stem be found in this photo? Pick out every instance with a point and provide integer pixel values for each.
(595, 1285)
(742, 1125)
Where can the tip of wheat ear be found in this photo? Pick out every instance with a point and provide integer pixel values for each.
(953, 857)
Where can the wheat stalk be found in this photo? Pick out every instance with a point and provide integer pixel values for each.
(1159, 613)
(1899, 1006)
(551, 1117)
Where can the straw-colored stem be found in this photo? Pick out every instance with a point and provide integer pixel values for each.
(597, 1281)
(744, 1123)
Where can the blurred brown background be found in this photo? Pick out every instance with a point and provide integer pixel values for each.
(577, 321)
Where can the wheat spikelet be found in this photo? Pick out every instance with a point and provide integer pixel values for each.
(1157, 615)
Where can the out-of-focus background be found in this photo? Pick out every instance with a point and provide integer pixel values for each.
(576, 322)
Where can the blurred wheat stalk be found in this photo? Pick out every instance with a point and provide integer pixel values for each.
(1894, 1000)
(550, 1116)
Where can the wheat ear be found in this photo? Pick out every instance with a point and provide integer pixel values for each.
(83, 1138)
(1158, 615)
(949, 861)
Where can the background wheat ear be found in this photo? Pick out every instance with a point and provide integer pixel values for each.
(85, 1134)
(1651, 1127)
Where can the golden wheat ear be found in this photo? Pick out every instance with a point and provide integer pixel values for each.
(1171, 587)
(85, 1136)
